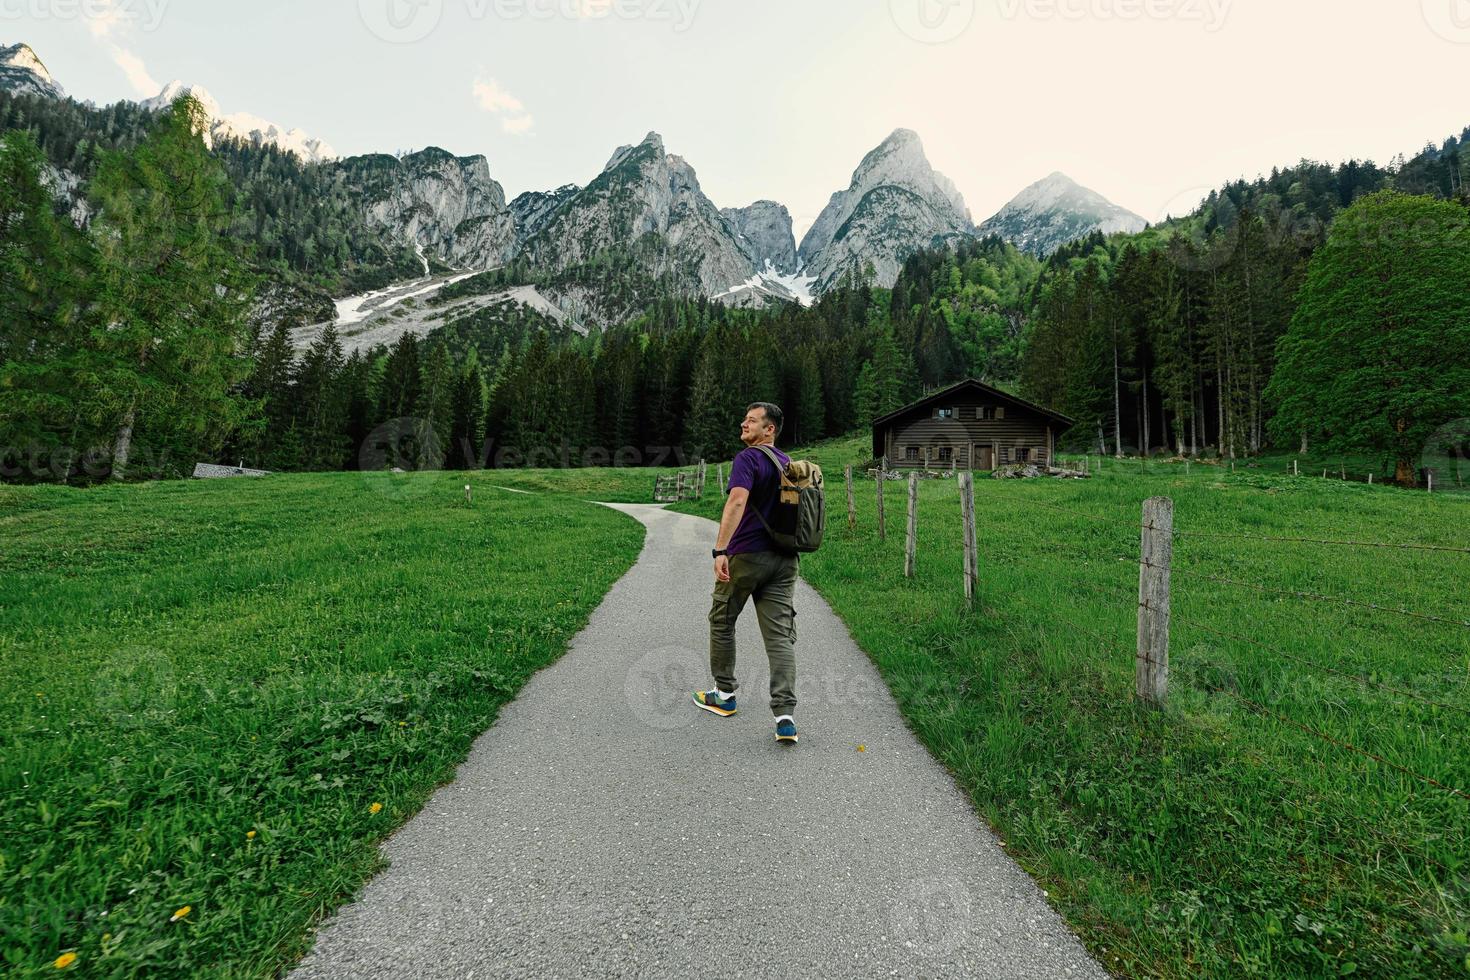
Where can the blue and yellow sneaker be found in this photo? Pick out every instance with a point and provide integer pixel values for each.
(785, 730)
(710, 701)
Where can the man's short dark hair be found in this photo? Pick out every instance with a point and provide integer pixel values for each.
(773, 414)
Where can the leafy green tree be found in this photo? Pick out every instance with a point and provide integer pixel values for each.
(172, 293)
(1378, 353)
(45, 346)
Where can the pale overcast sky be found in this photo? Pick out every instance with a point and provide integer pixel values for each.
(1149, 102)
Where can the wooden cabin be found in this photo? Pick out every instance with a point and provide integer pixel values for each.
(969, 425)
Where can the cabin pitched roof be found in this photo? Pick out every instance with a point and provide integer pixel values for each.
(978, 387)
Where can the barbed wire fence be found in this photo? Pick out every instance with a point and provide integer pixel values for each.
(1161, 660)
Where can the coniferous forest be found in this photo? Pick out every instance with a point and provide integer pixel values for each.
(1318, 307)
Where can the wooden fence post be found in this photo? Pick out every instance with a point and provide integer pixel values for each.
(913, 532)
(720, 478)
(882, 473)
(1156, 554)
(851, 504)
(1370, 479)
(701, 479)
(1293, 468)
(972, 557)
(469, 497)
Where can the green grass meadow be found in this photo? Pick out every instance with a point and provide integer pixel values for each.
(221, 695)
(1213, 837)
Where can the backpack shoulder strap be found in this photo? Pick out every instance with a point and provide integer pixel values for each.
(779, 470)
(771, 455)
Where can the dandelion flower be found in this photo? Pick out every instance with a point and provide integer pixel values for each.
(862, 748)
(181, 913)
(375, 808)
(250, 835)
(65, 960)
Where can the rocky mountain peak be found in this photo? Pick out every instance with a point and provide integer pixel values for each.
(896, 204)
(1056, 210)
(763, 230)
(650, 145)
(243, 125)
(23, 72)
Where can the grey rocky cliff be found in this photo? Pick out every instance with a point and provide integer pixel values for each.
(23, 73)
(448, 206)
(764, 232)
(533, 209)
(646, 204)
(896, 204)
(1057, 210)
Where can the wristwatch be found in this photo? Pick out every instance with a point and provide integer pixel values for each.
(717, 552)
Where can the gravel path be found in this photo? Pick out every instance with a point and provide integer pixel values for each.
(607, 827)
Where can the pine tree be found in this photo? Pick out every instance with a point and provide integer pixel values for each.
(172, 292)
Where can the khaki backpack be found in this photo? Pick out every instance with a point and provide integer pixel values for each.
(799, 516)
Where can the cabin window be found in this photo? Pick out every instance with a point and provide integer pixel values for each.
(1000, 412)
(944, 413)
(1023, 455)
(911, 453)
(946, 454)
(987, 412)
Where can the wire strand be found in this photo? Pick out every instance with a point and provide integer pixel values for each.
(1428, 617)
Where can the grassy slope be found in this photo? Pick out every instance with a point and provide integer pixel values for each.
(1207, 839)
(183, 664)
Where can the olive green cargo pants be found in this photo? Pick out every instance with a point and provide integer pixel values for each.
(770, 578)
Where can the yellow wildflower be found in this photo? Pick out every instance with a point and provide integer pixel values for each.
(375, 808)
(250, 835)
(181, 913)
(862, 748)
(65, 960)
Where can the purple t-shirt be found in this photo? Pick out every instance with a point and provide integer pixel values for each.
(753, 470)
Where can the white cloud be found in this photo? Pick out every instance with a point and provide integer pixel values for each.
(106, 19)
(498, 102)
(133, 67)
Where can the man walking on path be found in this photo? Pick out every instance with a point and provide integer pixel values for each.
(748, 565)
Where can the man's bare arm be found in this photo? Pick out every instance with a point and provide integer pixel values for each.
(730, 519)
